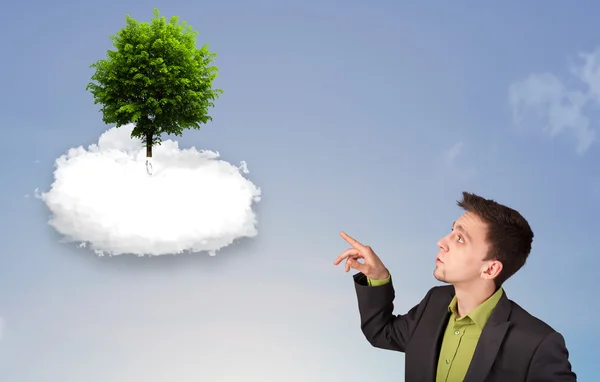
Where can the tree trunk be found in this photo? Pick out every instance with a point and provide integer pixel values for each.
(149, 137)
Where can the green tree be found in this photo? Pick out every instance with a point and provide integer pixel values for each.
(156, 79)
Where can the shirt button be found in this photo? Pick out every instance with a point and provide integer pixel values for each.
(447, 362)
(457, 332)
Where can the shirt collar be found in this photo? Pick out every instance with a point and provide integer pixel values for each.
(482, 313)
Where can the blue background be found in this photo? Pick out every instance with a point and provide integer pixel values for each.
(367, 117)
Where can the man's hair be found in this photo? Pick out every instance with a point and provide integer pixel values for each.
(508, 233)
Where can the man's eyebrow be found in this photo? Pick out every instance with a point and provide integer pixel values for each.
(460, 228)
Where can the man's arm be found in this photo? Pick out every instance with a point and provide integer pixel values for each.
(380, 326)
(550, 362)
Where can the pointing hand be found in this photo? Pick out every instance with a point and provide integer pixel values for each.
(372, 267)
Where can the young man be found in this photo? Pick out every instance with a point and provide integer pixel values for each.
(467, 331)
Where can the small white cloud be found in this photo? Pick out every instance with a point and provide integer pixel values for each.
(563, 107)
(465, 169)
(244, 167)
(103, 198)
(454, 152)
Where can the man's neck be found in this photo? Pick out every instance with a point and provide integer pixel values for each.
(469, 297)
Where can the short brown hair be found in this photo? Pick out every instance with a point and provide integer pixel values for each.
(508, 233)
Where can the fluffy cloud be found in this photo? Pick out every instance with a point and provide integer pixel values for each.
(104, 198)
(565, 108)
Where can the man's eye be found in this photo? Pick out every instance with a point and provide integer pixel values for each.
(460, 239)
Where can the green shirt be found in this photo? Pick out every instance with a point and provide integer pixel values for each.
(460, 337)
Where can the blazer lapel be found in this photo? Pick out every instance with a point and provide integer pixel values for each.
(435, 345)
(421, 359)
(490, 341)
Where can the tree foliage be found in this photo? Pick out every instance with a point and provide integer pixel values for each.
(156, 78)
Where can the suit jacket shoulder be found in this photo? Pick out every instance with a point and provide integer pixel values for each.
(522, 319)
(524, 348)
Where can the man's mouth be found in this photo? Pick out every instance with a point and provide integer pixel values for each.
(439, 261)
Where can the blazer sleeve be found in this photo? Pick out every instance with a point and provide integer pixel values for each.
(550, 362)
(380, 326)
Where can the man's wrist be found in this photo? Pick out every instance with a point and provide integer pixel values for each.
(382, 276)
(379, 281)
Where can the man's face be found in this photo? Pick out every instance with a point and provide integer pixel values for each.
(462, 252)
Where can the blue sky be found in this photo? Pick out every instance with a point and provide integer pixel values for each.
(367, 118)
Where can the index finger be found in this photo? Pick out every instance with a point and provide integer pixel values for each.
(352, 241)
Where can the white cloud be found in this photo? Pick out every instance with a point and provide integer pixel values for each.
(454, 152)
(103, 198)
(464, 168)
(563, 107)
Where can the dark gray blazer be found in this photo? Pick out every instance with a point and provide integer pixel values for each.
(514, 345)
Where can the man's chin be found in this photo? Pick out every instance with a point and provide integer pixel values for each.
(440, 278)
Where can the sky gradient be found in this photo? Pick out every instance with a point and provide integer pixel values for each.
(367, 118)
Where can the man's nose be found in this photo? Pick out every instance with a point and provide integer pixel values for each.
(442, 243)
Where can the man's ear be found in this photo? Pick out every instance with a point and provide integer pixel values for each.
(491, 269)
